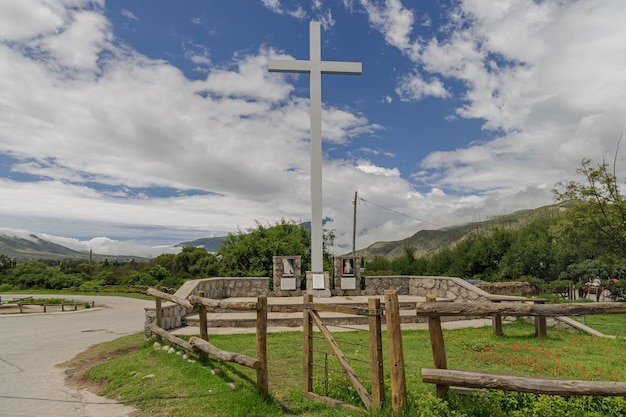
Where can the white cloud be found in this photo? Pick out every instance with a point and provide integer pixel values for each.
(414, 87)
(394, 21)
(370, 168)
(128, 14)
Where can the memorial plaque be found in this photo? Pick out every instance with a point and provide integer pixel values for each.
(318, 282)
(348, 283)
(288, 284)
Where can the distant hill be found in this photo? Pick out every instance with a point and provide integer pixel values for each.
(211, 244)
(426, 242)
(35, 248)
(32, 247)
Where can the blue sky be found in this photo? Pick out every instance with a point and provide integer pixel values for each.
(126, 125)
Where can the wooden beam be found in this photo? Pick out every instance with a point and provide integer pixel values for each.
(169, 297)
(213, 305)
(307, 346)
(170, 337)
(396, 352)
(518, 309)
(262, 380)
(517, 383)
(332, 402)
(209, 349)
(336, 308)
(376, 355)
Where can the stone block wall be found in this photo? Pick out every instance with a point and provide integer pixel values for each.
(455, 289)
(509, 288)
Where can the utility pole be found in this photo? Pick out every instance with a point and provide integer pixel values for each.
(354, 224)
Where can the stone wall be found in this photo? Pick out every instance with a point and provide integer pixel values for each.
(455, 289)
(509, 288)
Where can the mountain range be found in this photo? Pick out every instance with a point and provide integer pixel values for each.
(424, 242)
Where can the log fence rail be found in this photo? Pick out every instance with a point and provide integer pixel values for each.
(443, 378)
(201, 344)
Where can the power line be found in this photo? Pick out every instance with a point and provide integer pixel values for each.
(397, 212)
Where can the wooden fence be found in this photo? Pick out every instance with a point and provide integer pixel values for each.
(201, 344)
(375, 312)
(312, 317)
(443, 378)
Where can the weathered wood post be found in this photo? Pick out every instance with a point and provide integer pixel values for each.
(19, 305)
(159, 316)
(438, 346)
(307, 345)
(376, 354)
(204, 332)
(396, 352)
(43, 303)
(261, 345)
(496, 322)
(540, 323)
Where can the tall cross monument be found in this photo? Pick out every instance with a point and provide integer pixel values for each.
(316, 67)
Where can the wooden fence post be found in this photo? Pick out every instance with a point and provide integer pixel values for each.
(376, 355)
(496, 323)
(438, 346)
(540, 324)
(159, 316)
(396, 353)
(204, 332)
(307, 346)
(261, 345)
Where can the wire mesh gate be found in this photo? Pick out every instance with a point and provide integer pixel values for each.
(313, 354)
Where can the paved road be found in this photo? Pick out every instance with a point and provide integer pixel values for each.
(31, 345)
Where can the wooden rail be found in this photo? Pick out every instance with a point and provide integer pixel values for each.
(518, 383)
(201, 345)
(443, 378)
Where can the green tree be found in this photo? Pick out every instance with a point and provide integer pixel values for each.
(596, 222)
(185, 261)
(251, 253)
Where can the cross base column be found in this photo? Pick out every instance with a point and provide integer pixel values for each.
(318, 284)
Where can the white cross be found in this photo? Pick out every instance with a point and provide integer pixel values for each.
(316, 67)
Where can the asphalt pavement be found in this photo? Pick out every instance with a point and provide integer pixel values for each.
(32, 344)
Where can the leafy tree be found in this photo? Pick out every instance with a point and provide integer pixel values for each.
(597, 220)
(190, 261)
(250, 253)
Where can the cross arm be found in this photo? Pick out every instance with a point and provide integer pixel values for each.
(341, 68)
(292, 65)
(327, 67)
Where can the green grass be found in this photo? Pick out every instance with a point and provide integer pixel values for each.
(614, 324)
(179, 388)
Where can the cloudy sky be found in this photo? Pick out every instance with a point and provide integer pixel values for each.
(137, 123)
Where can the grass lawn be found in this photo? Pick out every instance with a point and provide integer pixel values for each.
(162, 384)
